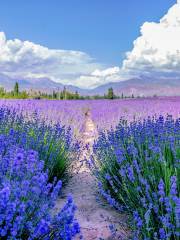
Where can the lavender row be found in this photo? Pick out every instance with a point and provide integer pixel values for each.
(27, 198)
(53, 143)
(67, 113)
(138, 169)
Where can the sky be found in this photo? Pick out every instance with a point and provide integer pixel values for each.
(89, 43)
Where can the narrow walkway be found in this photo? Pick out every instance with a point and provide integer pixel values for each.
(93, 216)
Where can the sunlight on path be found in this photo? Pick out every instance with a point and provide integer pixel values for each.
(94, 216)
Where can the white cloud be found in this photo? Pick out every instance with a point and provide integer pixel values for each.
(158, 47)
(155, 52)
(99, 77)
(106, 72)
(26, 59)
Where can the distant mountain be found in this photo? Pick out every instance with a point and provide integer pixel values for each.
(142, 86)
(39, 84)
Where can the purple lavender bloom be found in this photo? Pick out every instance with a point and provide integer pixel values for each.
(168, 205)
(162, 233)
(130, 174)
(161, 190)
(137, 180)
(107, 177)
(136, 166)
(27, 198)
(138, 220)
(173, 190)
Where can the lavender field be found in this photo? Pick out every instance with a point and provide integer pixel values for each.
(130, 147)
(90, 120)
(105, 113)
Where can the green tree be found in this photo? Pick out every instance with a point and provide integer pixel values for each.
(64, 93)
(61, 95)
(2, 92)
(24, 95)
(76, 95)
(54, 95)
(16, 89)
(110, 93)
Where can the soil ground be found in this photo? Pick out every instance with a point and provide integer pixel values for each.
(93, 213)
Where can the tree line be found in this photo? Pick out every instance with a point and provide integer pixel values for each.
(58, 95)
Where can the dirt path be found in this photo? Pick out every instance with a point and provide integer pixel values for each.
(93, 216)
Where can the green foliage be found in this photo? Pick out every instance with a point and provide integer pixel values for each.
(76, 96)
(55, 95)
(52, 142)
(138, 168)
(2, 91)
(110, 93)
(16, 89)
(13, 94)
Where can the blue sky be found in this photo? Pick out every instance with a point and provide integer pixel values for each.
(104, 29)
(88, 43)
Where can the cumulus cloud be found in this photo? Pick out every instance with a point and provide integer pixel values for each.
(155, 52)
(106, 72)
(26, 59)
(158, 47)
(99, 77)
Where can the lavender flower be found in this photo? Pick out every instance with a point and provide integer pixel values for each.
(27, 199)
(147, 186)
(161, 190)
(173, 190)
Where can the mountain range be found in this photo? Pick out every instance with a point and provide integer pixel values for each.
(141, 86)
